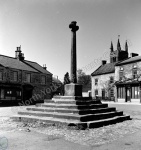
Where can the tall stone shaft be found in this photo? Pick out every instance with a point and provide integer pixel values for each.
(73, 89)
(73, 75)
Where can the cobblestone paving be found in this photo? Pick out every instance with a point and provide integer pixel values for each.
(89, 137)
(95, 136)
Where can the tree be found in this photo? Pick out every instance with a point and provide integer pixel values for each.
(83, 79)
(108, 86)
(66, 78)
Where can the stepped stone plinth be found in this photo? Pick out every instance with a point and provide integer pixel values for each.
(82, 112)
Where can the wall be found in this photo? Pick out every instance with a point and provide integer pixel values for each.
(35, 81)
(128, 78)
(127, 70)
(102, 83)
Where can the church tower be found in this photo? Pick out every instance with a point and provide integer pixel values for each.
(118, 45)
(118, 54)
(126, 46)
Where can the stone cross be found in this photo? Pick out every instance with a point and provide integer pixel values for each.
(73, 89)
(73, 75)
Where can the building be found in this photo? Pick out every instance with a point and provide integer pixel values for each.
(128, 80)
(21, 79)
(103, 77)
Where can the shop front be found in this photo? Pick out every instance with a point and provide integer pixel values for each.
(129, 92)
(12, 93)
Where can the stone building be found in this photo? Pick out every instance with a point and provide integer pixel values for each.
(103, 77)
(21, 79)
(128, 80)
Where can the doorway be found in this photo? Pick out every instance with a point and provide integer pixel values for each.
(103, 93)
(128, 94)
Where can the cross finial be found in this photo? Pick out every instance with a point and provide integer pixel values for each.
(73, 26)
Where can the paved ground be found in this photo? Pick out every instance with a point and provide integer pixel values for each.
(12, 137)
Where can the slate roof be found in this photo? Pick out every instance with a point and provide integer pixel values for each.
(37, 67)
(129, 60)
(104, 69)
(11, 62)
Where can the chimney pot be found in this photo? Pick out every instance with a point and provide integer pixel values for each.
(133, 54)
(44, 66)
(18, 54)
(103, 62)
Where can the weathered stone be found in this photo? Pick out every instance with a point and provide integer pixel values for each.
(73, 90)
(72, 109)
(73, 75)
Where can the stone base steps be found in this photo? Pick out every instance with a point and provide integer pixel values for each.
(70, 101)
(73, 106)
(71, 122)
(77, 111)
(83, 118)
(73, 111)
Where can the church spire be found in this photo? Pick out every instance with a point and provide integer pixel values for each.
(112, 48)
(126, 46)
(118, 44)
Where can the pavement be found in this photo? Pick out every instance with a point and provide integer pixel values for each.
(11, 139)
(132, 109)
(36, 141)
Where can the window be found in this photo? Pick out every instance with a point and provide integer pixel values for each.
(43, 80)
(114, 59)
(121, 92)
(2, 93)
(120, 75)
(8, 92)
(111, 80)
(111, 92)
(1, 75)
(18, 93)
(96, 81)
(121, 69)
(135, 92)
(14, 76)
(134, 72)
(28, 77)
(96, 92)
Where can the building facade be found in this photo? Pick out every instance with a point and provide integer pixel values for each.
(103, 78)
(21, 79)
(102, 82)
(128, 80)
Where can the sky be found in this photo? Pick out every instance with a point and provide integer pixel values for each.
(41, 27)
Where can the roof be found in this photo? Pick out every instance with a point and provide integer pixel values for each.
(11, 62)
(129, 60)
(37, 67)
(104, 69)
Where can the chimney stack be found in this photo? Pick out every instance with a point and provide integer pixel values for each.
(44, 66)
(103, 62)
(18, 54)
